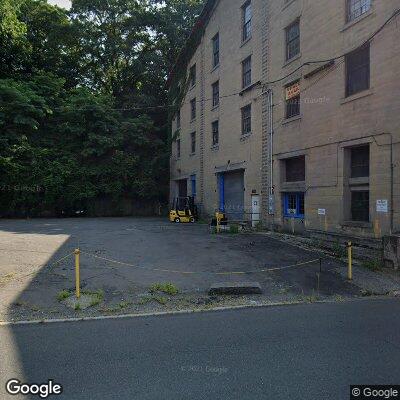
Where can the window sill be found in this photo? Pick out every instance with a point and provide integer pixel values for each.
(245, 136)
(360, 95)
(192, 87)
(294, 58)
(249, 87)
(192, 154)
(289, 120)
(244, 42)
(214, 68)
(286, 5)
(215, 147)
(215, 108)
(359, 181)
(293, 216)
(357, 20)
(357, 224)
(193, 120)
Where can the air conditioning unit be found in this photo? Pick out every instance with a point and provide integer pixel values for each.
(391, 251)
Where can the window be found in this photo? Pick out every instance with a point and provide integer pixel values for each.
(360, 205)
(359, 189)
(292, 100)
(215, 44)
(193, 184)
(356, 8)
(215, 94)
(360, 162)
(192, 75)
(178, 148)
(246, 72)
(193, 109)
(293, 40)
(178, 119)
(246, 17)
(295, 169)
(215, 133)
(246, 120)
(193, 142)
(293, 205)
(357, 71)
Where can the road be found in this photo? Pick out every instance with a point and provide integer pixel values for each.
(312, 351)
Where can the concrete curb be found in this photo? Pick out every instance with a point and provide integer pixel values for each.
(187, 311)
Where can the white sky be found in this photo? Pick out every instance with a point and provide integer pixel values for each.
(61, 3)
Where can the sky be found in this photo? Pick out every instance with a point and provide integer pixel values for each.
(62, 3)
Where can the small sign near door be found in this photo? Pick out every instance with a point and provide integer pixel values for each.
(382, 206)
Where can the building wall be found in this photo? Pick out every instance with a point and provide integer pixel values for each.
(234, 150)
(329, 122)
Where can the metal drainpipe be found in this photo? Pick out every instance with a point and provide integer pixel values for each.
(271, 124)
(391, 186)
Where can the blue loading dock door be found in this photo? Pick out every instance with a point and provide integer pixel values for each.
(231, 194)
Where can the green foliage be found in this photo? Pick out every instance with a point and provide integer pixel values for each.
(234, 229)
(167, 288)
(64, 294)
(83, 101)
(373, 265)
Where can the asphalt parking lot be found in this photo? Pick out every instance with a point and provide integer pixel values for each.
(145, 251)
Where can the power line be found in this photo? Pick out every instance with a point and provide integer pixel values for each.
(263, 84)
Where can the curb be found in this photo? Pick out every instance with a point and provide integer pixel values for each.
(187, 311)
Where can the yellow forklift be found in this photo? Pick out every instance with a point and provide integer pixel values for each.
(183, 210)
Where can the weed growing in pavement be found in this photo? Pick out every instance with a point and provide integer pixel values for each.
(372, 265)
(167, 288)
(339, 251)
(161, 300)
(77, 307)
(64, 294)
(233, 229)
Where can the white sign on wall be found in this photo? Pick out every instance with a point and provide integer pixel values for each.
(382, 206)
(321, 211)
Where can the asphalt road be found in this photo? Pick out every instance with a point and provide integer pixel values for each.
(310, 351)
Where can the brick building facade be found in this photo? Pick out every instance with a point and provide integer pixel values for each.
(293, 104)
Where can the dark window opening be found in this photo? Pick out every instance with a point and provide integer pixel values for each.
(215, 94)
(178, 148)
(293, 40)
(215, 133)
(193, 142)
(193, 109)
(295, 169)
(360, 206)
(356, 8)
(215, 42)
(358, 71)
(192, 75)
(360, 162)
(246, 72)
(178, 119)
(246, 120)
(247, 15)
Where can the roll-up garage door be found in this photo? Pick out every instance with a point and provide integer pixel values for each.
(234, 194)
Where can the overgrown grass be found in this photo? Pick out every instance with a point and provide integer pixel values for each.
(372, 265)
(64, 294)
(167, 288)
(339, 251)
(233, 229)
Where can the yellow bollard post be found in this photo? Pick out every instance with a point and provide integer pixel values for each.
(77, 273)
(350, 260)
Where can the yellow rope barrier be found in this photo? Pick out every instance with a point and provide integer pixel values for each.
(202, 272)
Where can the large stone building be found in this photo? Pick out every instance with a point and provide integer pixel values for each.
(294, 105)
